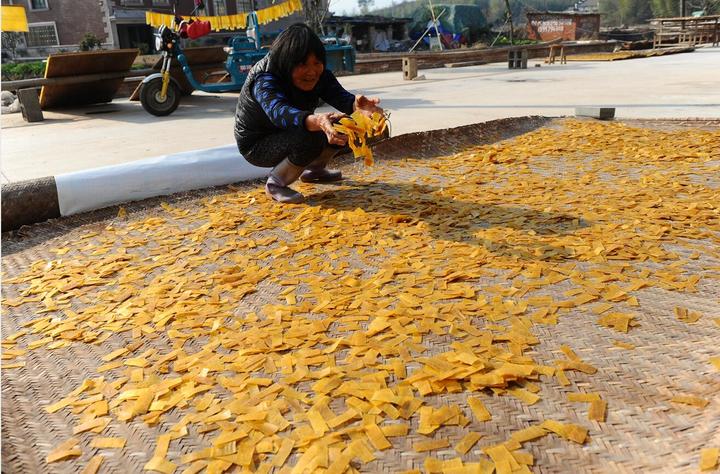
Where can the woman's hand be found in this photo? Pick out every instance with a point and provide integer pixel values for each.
(324, 123)
(367, 105)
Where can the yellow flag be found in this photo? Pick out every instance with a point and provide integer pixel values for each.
(14, 19)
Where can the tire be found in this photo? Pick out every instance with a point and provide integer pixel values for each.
(149, 97)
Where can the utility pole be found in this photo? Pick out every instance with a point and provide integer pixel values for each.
(682, 14)
(508, 13)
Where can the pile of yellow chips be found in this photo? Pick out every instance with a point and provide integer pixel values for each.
(390, 309)
(359, 127)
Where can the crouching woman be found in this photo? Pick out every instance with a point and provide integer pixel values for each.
(275, 122)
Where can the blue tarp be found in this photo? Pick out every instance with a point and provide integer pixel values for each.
(459, 23)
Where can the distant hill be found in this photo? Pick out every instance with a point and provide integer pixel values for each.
(614, 12)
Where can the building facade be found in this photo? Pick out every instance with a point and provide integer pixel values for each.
(368, 33)
(60, 25)
(127, 18)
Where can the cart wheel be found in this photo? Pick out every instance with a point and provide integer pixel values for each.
(152, 102)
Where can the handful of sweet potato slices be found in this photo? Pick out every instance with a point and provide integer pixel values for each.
(359, 127)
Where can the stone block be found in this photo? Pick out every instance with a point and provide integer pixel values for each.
(600, 113)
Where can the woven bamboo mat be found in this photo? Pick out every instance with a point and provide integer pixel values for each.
(644, 431)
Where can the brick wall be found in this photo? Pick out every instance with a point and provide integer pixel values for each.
(185, 7)
(72, 19)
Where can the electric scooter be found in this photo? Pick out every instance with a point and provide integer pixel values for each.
(160, 93)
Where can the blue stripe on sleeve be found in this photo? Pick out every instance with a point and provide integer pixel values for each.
(275, 104)
(334, 94)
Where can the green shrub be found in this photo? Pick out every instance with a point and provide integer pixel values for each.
(90, 42)
(143, 47)
(505, 41)
(17, 71)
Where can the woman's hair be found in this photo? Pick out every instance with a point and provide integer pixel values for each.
(292, 47)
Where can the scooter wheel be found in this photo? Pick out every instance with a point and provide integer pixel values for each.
(156, 105)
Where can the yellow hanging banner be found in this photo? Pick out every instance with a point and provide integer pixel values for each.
(217, 23)
(229, 22)
(157, 20)
(281, 10)
(226, 22)
(14, 19)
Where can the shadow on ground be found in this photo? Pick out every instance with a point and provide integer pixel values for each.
(424, 145)
(421, 208)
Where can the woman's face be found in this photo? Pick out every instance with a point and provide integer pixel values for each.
(307, 74)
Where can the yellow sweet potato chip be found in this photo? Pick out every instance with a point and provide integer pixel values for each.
(528, 434)
(583, 397)
(97, 423)
(65, 450)
(93, 466)
(160, 465)
(422, 446)
(575, 433)
(112, 443)
(478, 409)
(598, 409)
(696, 402)
(467, 442)
(376, 436)
(709, 458)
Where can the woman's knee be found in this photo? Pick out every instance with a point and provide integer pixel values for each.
(309, 149)
(257, 157)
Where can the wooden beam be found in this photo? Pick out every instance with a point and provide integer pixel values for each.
(63, 81)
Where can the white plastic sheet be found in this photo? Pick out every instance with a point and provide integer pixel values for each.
(101, 187)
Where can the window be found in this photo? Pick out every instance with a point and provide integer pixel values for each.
(219, 7)
(243, 6)
(42, 34)
(132, 2)
(38, 4)
(165, 3)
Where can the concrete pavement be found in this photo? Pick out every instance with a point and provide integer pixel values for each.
(675, 86)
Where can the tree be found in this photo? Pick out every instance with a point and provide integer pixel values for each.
(633, 12)
(365, 6)
(12, 41)
(610, 11)
(664, 8)
(315, 13)
(710, 7)
(90, 42)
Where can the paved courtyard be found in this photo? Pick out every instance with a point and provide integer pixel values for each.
(675, 86)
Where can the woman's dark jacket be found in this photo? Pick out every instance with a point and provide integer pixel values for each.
(269, 104)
